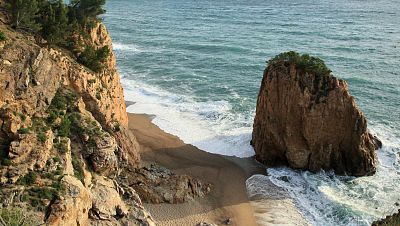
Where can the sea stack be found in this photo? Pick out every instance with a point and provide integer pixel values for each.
(307, 119)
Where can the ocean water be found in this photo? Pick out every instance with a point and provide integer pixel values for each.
(196, 65)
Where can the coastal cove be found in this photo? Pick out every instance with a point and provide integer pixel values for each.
(228, 176)
(197, 72)
(199, 113)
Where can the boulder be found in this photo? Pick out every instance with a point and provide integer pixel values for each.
(107, 203)
(307, 119)
(73, 207)
(102, 157)
(156, 184)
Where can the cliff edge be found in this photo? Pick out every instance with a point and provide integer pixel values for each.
(67, 156)
(307, 119)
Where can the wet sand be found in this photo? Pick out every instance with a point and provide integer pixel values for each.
(228, 198)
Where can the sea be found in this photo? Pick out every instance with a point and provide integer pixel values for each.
(196, 67)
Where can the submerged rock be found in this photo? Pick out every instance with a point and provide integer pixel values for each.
(307, 119)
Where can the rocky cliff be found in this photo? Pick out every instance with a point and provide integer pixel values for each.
(307, 119)
(66, 155)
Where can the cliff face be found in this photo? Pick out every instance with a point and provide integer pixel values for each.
(31, 75)
(66, 155)
(311, 122)
(64, 136)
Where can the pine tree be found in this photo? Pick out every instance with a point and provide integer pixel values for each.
(86, 11)
(54, 22)
(23, 14)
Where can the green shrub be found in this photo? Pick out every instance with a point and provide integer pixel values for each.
(55, 28)
(23, 14)
(94, 59)
(58, 186)
(13, 216)
(65, 128)
(53, 115)
(6, 162)
(41, 137)
(24, 130)
(2, 36)
(56, 159)
(39, 125)
(50, 176)
(59, 171)
(59, 102)
(303, 62)
(43, 193)
(77, 127)
(28, 179)
(78, 169)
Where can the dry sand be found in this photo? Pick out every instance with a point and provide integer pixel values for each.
(228, 198)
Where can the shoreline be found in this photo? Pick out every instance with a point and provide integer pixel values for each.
(228, 175)
(228, 197)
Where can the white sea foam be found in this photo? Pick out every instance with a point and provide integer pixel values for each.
(327, 199)
(323, 198)
(126, 47)
(206, 125)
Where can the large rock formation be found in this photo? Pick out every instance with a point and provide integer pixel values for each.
(66, 154)
(307, 119)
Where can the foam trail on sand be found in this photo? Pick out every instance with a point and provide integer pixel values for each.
(202, 124)
(327, 199)
(322, 198)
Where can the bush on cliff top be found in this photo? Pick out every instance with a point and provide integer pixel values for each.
(62, 24)
(304, 62)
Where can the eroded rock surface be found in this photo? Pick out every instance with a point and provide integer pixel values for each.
(156, 184)
(66, 152)
(310, 121)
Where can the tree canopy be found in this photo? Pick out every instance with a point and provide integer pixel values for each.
(23, 14)
(61, 24)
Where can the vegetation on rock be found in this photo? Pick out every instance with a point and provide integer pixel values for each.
(61, 24)
(28, 179)
(2, 36)
(303, 62)
(13, 216)
(94, 58)
(24, 14)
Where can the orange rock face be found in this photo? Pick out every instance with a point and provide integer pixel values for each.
(311, 122)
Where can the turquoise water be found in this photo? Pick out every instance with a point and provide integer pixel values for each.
(197, 66)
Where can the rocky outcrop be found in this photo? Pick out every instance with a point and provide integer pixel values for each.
(61, 126)
(308, 120)
(107, 203)
(66, 152)
(393, 219)
(72, 208)
(156, 184)
(33, 75)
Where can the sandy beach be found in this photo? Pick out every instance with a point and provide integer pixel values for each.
(228, 198)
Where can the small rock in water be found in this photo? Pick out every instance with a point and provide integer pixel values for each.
(284, 178)
(397, 204)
